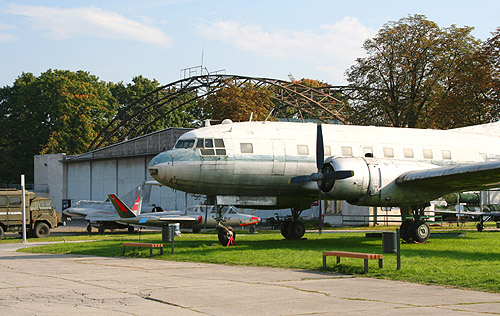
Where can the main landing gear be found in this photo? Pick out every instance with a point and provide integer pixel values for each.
(415, 230)
(293, 229)
(225, 233)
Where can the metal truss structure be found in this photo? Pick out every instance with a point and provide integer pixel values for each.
(290, 100)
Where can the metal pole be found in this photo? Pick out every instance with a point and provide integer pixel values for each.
(23, 205)
(398, 249)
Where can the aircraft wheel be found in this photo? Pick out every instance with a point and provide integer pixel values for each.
(196, 230)
(296, 229)
(1, 232)
(224, 235)
(41, 230)
(420, 231)
(479, 227)
(251, 230)
(405, 230)
(101, 229)
(284, 228)
(131, 229)
(89, 228)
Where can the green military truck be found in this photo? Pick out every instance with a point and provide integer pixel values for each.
(40, 215)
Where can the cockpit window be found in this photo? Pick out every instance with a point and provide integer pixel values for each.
(211, 146)
(184, 143)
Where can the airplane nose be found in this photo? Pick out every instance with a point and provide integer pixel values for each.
(159, 167)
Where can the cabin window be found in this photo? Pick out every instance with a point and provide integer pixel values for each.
(368, 152)
(3, 201)
(408, 152)
(346, 151)
(388, 152)
(302, 150)
(328, 151)
(219, 142)
(184, 143)
(427, 153)
(246, 148)
(15, 200)
(446, 154)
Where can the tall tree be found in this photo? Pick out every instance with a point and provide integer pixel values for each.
(408, 61)
(58, 112)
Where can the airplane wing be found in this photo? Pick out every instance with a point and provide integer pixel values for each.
(465, 177)
(467, 213)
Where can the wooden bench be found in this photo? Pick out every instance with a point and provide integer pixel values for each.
(146, 245)
(365, 256)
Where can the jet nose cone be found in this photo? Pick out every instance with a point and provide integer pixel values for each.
(160, 166)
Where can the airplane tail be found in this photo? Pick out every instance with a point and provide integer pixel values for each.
(143, 191)
(122, 209)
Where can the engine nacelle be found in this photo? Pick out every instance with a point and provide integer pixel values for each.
(373, 182)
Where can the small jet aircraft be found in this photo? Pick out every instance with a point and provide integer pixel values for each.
(102, 214)
(157, 219)
(230, 217)
(272, 165)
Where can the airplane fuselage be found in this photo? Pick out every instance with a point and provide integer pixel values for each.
(254, 161)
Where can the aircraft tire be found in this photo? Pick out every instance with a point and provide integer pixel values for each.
(251, 230)
(196, 230)
(405, 230)
(1, 232)
(130, 229)
(101, 229)
(419, 231)
(41, 230)
(296, 229)
(284, 228)
(479, 227)
(224, 236)
(89, 228)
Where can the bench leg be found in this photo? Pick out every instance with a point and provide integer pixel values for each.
(366, 265)
(324, 262)
(150, 252)
(380, 263)
(161, 251)
(123, 252)
(338, 260)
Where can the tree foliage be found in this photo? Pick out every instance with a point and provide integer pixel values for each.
(411, 67)
(59, 111)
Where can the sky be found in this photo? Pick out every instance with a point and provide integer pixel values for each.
(118, 40)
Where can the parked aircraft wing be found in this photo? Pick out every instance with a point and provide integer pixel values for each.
(464, 177)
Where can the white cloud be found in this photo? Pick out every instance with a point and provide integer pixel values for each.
(63, 23)
(6, 37)
(330, 48)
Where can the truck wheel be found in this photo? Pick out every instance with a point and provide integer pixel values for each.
(1, 232)
(41, 230)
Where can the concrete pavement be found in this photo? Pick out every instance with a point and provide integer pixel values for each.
(43, 284)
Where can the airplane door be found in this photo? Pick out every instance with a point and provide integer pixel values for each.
(278, 157)
(375, 179)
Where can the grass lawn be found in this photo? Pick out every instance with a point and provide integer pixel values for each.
(471, 262)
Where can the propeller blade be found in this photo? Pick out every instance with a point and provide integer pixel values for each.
(320, 215)
(338, 175)
(300, 179)
(320, 150)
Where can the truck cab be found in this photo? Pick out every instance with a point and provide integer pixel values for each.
(40, 214)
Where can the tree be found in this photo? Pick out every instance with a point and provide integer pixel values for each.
(472, 93)
(149, 107)
(408, 63)
(238, 102)
(58, 112)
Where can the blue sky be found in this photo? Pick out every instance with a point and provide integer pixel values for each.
(117, 40)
